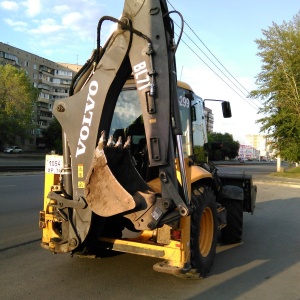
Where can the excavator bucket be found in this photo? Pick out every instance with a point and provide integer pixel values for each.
(114, 186)
(104, 194)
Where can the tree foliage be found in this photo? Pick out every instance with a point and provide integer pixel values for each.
(53, 136)
(222, 145)
(17, 99)
(278, 87)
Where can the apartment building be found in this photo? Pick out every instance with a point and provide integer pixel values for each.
(51, 78)
(209, 116)
(257, 141)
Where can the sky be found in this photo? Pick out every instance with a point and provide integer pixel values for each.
(217, 34)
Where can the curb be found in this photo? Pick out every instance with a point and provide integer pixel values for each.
(274, 182)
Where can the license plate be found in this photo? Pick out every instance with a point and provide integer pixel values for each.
(54, 164)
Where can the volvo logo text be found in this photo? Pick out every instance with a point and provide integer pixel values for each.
(87, 118)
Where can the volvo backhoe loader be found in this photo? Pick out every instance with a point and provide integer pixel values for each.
(127, 180)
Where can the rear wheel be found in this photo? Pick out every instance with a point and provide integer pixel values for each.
(233, 231)
(204, 229)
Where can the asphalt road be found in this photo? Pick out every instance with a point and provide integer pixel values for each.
(266, 265)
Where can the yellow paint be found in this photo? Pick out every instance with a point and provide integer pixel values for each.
(171, 252)
(196, 173)
(81, 184)
(50, 180)
(80, 171)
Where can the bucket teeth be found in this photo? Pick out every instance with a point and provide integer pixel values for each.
(102, 141)
(110, 142)
(127, 143)
(119, 142)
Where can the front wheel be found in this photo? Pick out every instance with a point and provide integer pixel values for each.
(204, 229)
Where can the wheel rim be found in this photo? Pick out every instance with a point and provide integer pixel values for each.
(206, 232)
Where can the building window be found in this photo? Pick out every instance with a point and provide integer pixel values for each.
(63, 73)
(35, 67)
(9, 56)
(44, 95)
(26, 64)
(56, 80)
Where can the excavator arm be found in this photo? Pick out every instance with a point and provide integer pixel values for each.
(102, 180)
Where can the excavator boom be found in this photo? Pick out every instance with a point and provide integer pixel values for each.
(142, 45)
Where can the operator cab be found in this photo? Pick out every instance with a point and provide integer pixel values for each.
(128, 121)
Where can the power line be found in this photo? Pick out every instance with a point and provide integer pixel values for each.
(252, 104)
(214, 64)
(216, 58)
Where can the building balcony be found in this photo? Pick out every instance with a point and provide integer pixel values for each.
(43, 126)
(61, 94)
(44, 86)
(44, 108)
(64, 77)
(45, 81)
(46, 70)
(43, 100)
(44, 118)
(66, 82)
(42, 105)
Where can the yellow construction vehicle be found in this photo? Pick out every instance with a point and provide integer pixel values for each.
(127, 180)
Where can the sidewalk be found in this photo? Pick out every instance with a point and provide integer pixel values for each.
(261, 179)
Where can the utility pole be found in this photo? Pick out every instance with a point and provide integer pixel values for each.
(279, 169)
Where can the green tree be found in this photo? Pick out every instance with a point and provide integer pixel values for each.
(53, 136)
(278, 87)
(200, 154)
(17, 99)
(222, 145)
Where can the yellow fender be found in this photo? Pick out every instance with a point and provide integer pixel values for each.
(196, 173)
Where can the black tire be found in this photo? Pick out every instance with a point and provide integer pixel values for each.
(204, 229)
(233, 232)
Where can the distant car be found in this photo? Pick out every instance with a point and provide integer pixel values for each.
(242, 160)
(13, 149)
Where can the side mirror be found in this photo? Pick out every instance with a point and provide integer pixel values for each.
(226, 109)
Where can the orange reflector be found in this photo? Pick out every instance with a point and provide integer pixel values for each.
(176, 235)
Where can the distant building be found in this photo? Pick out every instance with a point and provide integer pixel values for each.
(248, 152)
(260, 143)
(257, 141)
(52, 79)
(209, 116)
